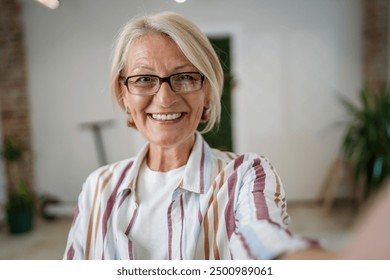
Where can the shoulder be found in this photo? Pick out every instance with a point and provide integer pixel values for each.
(223, 155)
(106, 177)
(245, 167)
(241, 161)
(112, 169)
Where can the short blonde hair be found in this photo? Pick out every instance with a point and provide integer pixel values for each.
(191, 41)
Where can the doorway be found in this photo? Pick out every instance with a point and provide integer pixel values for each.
(221, 137)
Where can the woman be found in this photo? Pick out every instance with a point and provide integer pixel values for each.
(178, 198)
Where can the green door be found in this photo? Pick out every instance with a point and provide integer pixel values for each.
(221, 137)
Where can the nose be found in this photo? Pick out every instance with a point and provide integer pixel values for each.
(165, 96)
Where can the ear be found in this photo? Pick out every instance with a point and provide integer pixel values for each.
(207, 95)
(123, 101)
(121, 94)
(205, 115)
(206, 109)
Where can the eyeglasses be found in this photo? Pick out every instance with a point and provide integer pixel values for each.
(184, 82)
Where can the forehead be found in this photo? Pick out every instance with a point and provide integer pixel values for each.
(157, 52)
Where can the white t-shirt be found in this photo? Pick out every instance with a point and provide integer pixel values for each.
(154, 194)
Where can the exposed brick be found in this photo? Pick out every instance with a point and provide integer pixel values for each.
(14, 105)
(375, 43)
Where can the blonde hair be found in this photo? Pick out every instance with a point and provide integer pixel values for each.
(192, 42)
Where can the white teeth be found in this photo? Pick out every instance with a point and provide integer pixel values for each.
(166, 117)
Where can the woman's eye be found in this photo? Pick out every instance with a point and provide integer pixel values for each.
(144, 79)
(185, 77)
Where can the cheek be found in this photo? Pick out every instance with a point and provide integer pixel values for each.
(136, 104)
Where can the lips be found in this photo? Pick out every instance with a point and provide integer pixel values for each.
(166, 117)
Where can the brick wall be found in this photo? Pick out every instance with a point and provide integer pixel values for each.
(375, 42)
(14, 105)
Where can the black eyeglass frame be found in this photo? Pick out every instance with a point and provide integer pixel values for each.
(161, 81)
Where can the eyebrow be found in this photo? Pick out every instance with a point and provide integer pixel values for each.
(183, 66)
(142, 68)
(150, 69)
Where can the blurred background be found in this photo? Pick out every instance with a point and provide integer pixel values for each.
(288, 64)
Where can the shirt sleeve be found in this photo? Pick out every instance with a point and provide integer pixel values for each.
(76, 236)
(261, 214)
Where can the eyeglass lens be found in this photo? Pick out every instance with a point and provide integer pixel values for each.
(150, 84)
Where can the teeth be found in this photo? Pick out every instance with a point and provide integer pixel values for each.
(166, 117)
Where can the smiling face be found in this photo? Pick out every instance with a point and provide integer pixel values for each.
(166, 119)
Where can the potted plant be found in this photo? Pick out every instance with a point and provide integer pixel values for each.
(20, 209)
(366, 143)
(20, 205)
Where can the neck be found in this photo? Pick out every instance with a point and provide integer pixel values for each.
(164, 159)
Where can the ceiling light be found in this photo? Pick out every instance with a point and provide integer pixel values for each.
(180, 1)
(51, 4)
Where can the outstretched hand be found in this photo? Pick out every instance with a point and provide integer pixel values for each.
(371, 236)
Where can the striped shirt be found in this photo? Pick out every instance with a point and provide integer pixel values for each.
(226, 206)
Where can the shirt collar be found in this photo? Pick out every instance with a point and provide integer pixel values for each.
(129, 181)
(196, 173)
(198, 168)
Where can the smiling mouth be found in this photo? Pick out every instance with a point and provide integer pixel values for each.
(166, 117)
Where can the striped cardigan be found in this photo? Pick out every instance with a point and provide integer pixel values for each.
(226, 206)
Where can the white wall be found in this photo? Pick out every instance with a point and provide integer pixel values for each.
(290, 59)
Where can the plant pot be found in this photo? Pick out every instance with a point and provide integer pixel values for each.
(20, 221)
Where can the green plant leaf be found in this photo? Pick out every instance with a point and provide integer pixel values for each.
(11, 150)
(366, 141)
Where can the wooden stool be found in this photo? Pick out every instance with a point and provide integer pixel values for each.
(340, 172)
